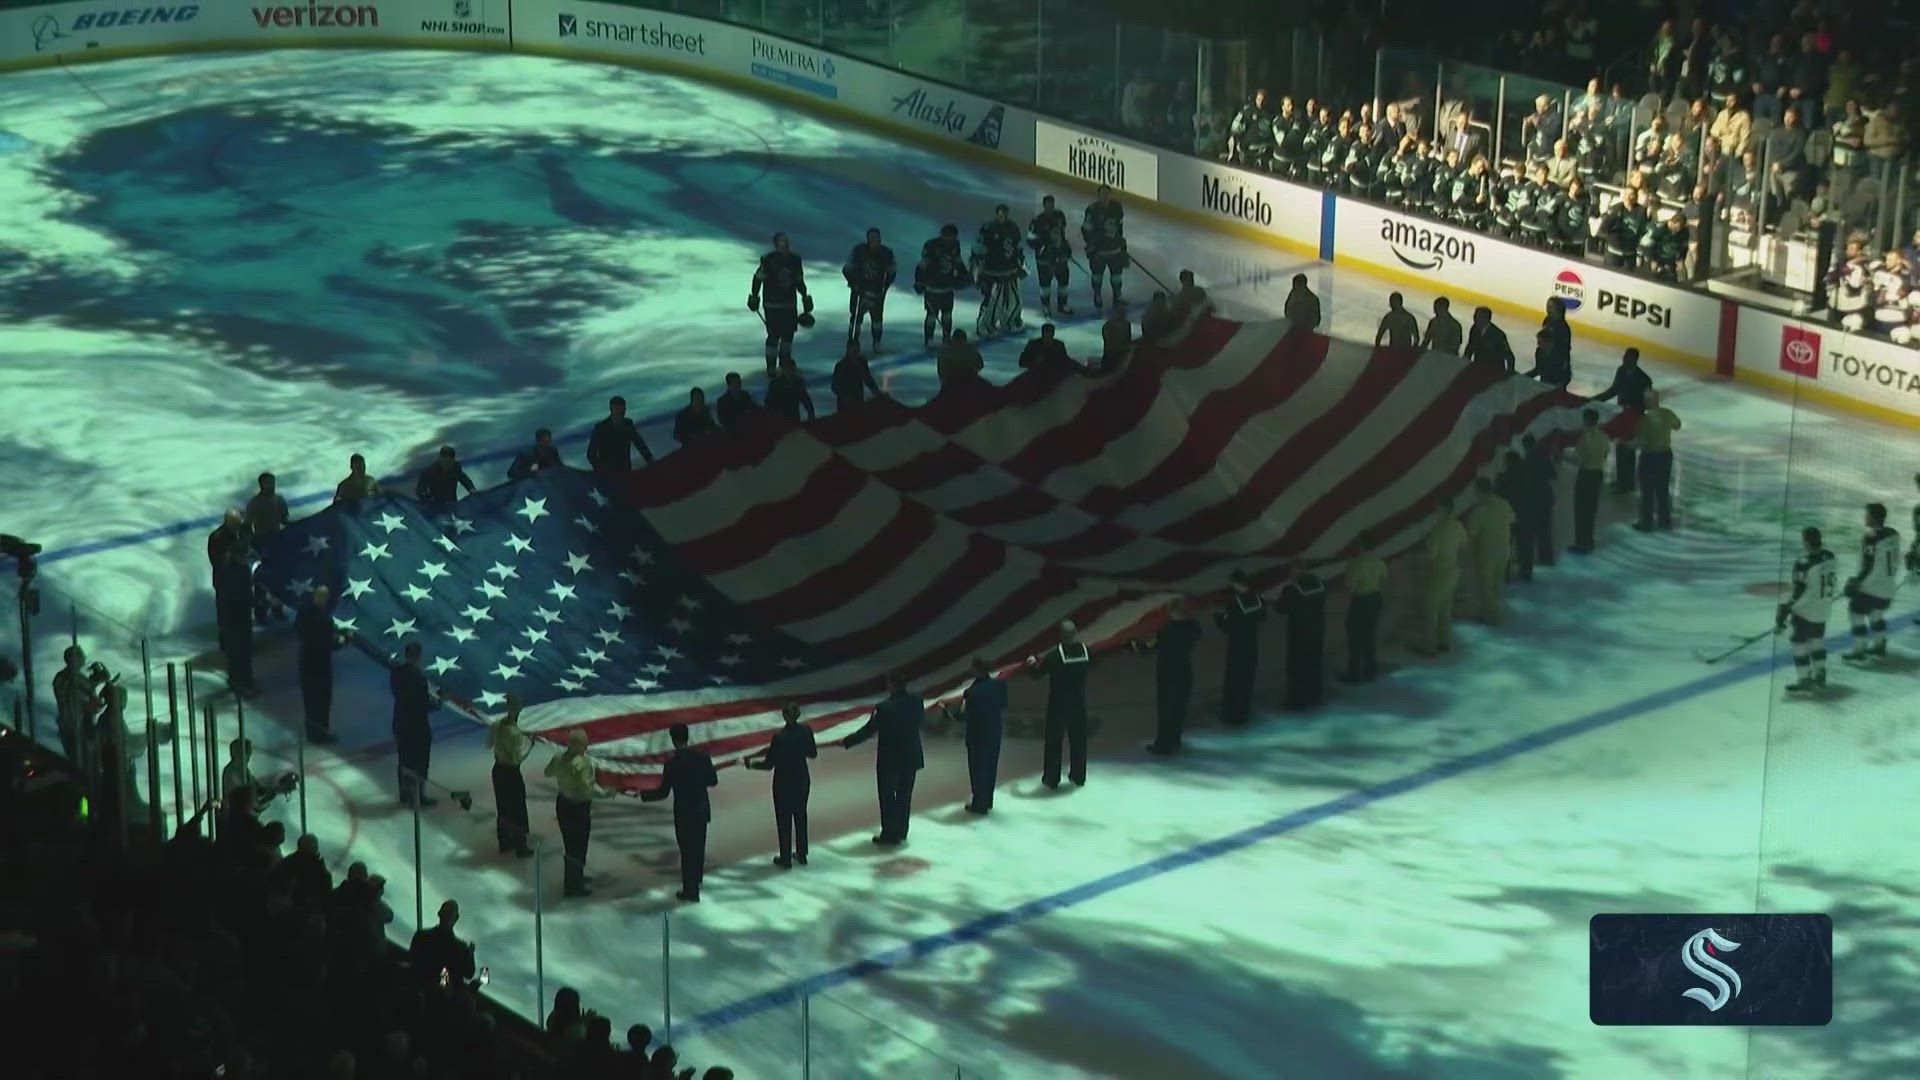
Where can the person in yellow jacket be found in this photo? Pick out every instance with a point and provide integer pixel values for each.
(1442, 549)
(1490, 530)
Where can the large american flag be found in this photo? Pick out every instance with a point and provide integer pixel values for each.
(804, 562)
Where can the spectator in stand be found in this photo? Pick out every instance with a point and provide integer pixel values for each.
(1540, 130)
(1885, 138)
(437, 950)
(1663, 58)
(1733, 126)
(1849, 135)
(1843, 81)
(1136, 103)
(1787, 159)
(1392, 128)
(694, 423)
(1464, 140)
(1562, 167)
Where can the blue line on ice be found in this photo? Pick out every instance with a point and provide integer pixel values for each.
(1232, 842)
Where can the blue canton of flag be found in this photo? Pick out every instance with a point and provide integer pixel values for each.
(548, 588)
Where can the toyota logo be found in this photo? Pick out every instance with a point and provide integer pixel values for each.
(1799, 352)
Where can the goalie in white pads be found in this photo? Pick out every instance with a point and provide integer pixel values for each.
(1871, 589)
(1816, 582)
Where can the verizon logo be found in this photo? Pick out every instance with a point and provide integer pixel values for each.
(317, 15)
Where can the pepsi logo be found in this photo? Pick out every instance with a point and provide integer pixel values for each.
(1570, 289)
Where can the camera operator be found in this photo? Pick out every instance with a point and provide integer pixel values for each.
(76, 701)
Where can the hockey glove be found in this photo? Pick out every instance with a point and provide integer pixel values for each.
(806, 301)
(1780, 618)
(753, 303)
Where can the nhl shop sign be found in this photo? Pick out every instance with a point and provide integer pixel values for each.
(1096, 159)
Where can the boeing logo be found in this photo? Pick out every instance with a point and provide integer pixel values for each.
(1698, 956)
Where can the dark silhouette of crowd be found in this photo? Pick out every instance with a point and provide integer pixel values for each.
(202, 958)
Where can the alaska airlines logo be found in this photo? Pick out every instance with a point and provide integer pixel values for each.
(1698, 956)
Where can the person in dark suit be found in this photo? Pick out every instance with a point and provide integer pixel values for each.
(1629, 388)
(1303, 599)
(897, 758)
(318, 640)
(1173, 675)
(1463, 139)
(687, 776)
(228, 551)
(1487, 343)
(983, 709)
(610, 447)
(440, 482)
(412, 732)
(1065, 668)
(736, 407)
(536, 459)
(1245, 610)
(786, 757)
(695, 423)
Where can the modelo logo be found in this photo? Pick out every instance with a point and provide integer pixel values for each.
(1236, 203)
(920, 106)
(1572, 292)
(318, 15)
(1094, 159)
(1422, 248)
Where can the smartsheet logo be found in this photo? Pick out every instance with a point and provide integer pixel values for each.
(657, 36)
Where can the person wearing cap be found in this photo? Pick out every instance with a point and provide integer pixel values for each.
(440, 482)
(786, 758)
(1303, 600)
(576, 785)
(983, 709)
(1173, 675)
(1240, 618)
(510, 747)
(1065, 668)
(898, 757)
(1366, 582)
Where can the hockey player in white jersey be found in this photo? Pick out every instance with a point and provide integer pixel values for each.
(1816, 583)
(1847, 287)
(1890, 295)
(1870, 589)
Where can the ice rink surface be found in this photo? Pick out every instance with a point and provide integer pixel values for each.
(217, 265)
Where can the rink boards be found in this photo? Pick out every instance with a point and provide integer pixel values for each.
(1855, 373)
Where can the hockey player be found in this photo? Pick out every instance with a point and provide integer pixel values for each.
(1103, 237)
(1047, 236)
(1250, 136)
(781, 278)
(870, 271)
(1622, 229)
(941, 270)
(1847, 287)
(1816, 581)
(1870, 590)
(999, 262)
(1890, 295)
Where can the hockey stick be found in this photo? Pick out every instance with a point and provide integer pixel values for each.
(1744, 642)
